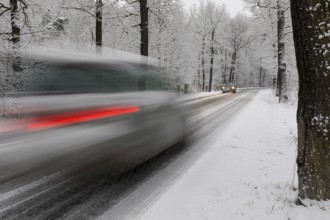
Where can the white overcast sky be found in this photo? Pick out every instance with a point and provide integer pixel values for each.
(233, 6)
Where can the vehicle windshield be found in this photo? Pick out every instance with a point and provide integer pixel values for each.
(229, 84)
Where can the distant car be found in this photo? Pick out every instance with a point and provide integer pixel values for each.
(229, 87)
(86, 108)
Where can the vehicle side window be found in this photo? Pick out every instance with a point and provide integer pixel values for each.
(118, 80)
(153, 82)
(74, 80)
(54, 78)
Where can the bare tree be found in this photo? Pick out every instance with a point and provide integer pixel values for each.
(238, 39)
(216, 15)
(200, 28)
(207, 20)
(275, 11)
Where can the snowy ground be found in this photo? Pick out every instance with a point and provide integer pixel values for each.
(248, 173)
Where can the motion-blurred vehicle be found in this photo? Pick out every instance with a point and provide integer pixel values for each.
(229, 87)
(86, 108)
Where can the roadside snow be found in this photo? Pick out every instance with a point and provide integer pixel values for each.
(246, 174)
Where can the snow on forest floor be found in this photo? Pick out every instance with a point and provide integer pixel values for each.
(246, 174)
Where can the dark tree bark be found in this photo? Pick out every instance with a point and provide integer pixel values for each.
(263, 83)
(281, 73)
(98, 31)
(224, 76)
(144, 27)
(144, 47)
(232, 67)
(212, 60)
(199, 73)
(260, 77)
(15, 28)
(15, 35)
(203, 64)
(311, 20)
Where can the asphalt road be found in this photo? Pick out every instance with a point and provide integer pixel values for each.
(72, 194)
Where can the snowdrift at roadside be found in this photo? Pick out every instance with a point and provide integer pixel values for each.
(248, 173)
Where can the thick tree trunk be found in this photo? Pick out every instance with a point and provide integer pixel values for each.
(311, 27)
(144, 27)
(98, 31)
(281, 74)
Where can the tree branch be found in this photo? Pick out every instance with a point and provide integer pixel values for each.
(5, 7)
(80, 9)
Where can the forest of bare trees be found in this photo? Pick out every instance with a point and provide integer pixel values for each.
(203, 47)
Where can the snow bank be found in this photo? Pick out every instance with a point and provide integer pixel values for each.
(248, 173)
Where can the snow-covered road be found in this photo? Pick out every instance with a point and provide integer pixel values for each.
(237, 164)
(71, 195)
(212, 121)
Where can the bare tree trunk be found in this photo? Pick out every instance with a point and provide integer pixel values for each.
(281, 75)
(310, 28)
(260, 77)
(15, 34)
(225, 73)
(15, 28)
(199, 72)
(232, 68)
(212, 60)
(98, 31)
(159, 41)
(144, 27)
(264, 77)
(203, 63)
(144, 45)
